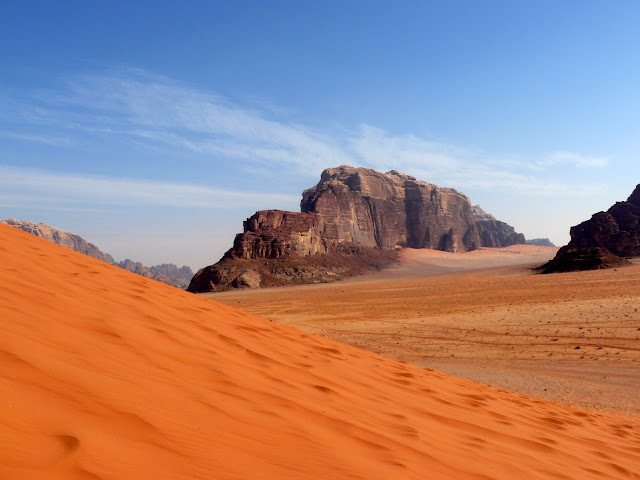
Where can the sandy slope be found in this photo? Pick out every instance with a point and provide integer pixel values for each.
(108, 375)
(418, 263)
(572, 338)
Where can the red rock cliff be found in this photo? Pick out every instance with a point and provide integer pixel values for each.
(351, 210)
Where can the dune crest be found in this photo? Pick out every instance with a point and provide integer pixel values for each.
(108, 375)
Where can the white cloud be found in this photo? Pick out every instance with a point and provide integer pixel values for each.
(53, 189)
(39, 138)
(381, 150)
(161, 113)
(574, 159)
(158, 110)
(448, 165)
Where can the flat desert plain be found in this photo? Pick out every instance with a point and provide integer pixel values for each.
(486, 316)
(105, 374)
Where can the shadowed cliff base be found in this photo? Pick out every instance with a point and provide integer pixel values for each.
(232, 273)
(579, 259)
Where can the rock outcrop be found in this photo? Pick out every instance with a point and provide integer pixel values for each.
(276, 233)
(578, 259)
(605, 236)
(352, 220)
(231, 273)
(167, 273)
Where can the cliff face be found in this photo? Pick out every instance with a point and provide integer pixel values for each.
(351, 211)
(166, 273)
(614, 232)
(276, 233)
(494, 233)
(388, 211)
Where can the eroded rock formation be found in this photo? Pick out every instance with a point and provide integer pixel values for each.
(606, 235)
(276, 233)
(352, 212)
(392, 210)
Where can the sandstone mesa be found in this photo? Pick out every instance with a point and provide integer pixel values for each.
(354, 219)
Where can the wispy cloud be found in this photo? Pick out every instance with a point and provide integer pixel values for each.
(163, 114)
(57, 189)
(160, 111)
(38, 138)
(449, 165)
(574, 159)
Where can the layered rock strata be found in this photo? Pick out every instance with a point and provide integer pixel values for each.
(352, 211)
(603, 238)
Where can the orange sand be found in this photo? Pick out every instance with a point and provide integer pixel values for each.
(108, 375)
(484, 316)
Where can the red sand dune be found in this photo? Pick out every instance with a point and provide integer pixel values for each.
(108, 375)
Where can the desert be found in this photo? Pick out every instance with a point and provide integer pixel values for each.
(110, 375)
(484, 315)
(319, 240)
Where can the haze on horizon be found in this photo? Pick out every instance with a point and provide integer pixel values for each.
(154, 129)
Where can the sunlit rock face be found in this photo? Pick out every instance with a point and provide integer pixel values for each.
(390, 210)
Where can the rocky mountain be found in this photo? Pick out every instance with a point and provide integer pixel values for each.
(352, 213)
(60, 237)
(494, 233)
(181, 276)
(604, 240)
(540, 242)
(167, 273)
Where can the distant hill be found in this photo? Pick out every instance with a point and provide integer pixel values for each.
(60, 237)
(167, 272)
(540, 242)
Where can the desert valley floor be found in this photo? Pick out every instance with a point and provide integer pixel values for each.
(484, 315)
(108, 375)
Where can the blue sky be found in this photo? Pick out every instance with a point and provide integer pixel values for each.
(154, 129)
